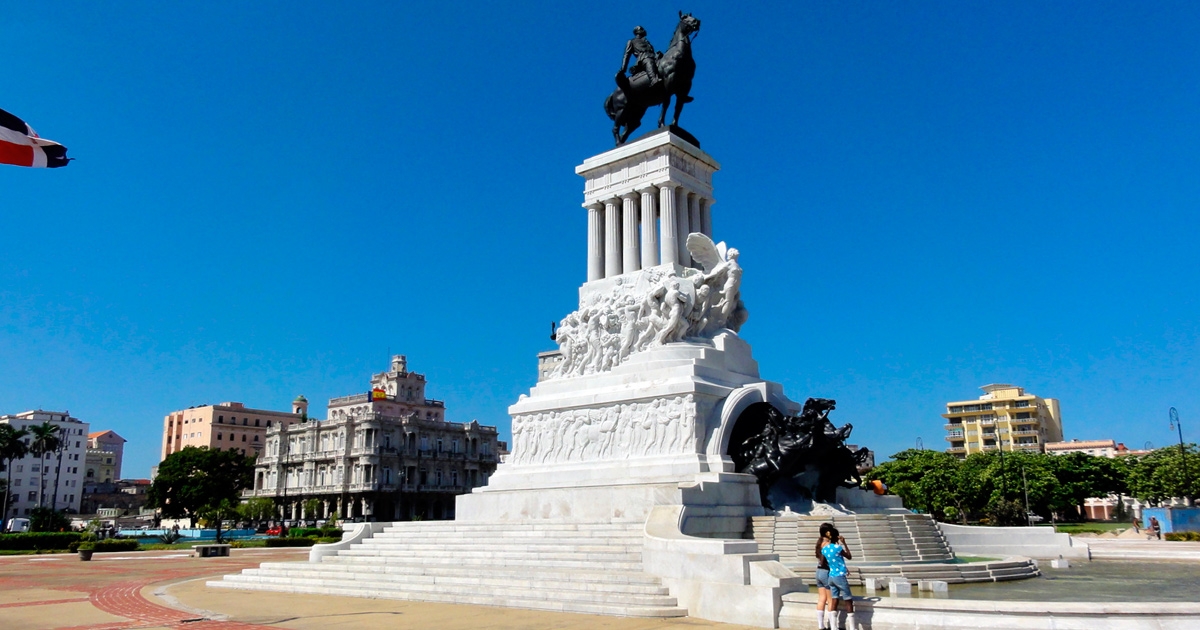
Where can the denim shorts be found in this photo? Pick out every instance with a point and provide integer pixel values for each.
(822, 578)
(839, 587)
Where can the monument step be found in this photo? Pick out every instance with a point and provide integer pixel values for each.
(496, 555)
(529, 546)
(417, 583)
(453, 569)
(509, 562)
(589, 582)
(454, 598)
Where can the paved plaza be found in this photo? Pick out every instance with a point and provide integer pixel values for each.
(165, 589)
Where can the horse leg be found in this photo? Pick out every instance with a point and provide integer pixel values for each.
(617, 134)
(662, 116)
(629, 127)
(679, 100)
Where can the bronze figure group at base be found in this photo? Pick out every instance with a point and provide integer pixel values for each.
(656, 79)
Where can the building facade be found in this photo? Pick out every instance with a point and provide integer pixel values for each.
(34, 479)
(229, 426)
(387, 454)
(1098, 448)
(1005, 417)
(109, 441)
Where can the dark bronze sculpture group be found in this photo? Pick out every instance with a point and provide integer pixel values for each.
(656, 78)
(802, 457)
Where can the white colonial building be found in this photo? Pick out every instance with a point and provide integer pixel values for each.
(34, 479)
(388, 454)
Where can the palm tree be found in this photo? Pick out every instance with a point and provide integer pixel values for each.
(11, 448)
(62, 445)
(45, 441)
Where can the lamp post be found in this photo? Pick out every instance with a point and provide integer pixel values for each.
(1176, 424)
(920, 444)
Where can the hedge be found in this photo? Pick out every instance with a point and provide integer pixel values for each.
(290, 542)
(41, 541)
(1183, 536)
(108, 544)
(315, 532)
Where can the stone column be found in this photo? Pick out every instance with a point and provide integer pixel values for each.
(694, 217)
(649, 228)
(685, 225)
(669, 222)
(631, 260)
(706, 216)
(595, 247)
(612, 238)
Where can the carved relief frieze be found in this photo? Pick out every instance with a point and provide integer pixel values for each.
(661, 426)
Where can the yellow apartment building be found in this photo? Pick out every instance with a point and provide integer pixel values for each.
(1004, 417)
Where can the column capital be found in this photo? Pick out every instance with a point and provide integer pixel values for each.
(630, 195)
(647, 189)
(595, 206)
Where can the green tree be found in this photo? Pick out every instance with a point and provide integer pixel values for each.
(45, 441)
(257, 510)
(43, 519)
(925, 480)
(1165, 473)
(194, 481)
(12, 447)
(310, 509)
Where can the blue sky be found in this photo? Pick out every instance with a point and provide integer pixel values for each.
(268, 198)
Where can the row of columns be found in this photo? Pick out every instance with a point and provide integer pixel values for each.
(663, 215)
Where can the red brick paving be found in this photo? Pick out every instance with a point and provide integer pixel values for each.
(114, 586)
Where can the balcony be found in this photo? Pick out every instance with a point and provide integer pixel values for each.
(990, 447)
(952, 425)
(1027, 432)
(956, 449)
(1028, 447)
(955, 436)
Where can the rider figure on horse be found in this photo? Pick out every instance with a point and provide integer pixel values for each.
(647, 60)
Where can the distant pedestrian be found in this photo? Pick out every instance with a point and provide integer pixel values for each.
(1137, 524)
(1155, 528)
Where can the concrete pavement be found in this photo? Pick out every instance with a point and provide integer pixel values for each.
(166, 590)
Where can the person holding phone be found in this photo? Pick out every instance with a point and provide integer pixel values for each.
(836, 553)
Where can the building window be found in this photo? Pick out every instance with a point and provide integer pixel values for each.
(219, 437)
(16, 482)
(454, 477)
(256, 438)
(33, 496)
(268, 424)
(454, 448)
(256, 421)
(243, 437)
(220, 419)
(439, 477)
(439, 447)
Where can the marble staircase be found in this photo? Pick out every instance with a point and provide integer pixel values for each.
(883, 545)
(577, 567)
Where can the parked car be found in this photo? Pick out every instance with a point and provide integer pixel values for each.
(275, 531)
(16, 525)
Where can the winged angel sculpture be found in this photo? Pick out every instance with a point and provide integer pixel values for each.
(660, 305)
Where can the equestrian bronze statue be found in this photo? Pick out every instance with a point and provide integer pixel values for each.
(656, 79)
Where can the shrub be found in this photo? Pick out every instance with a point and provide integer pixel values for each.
(30, 541)
(169, 537)
(1183, 536)
(115, 544)
(290, 542)
(311, 532)
(324, 540)
(246, 543)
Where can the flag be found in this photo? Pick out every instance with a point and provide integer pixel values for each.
(21, 146)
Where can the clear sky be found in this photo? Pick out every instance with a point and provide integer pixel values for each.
(269, 197)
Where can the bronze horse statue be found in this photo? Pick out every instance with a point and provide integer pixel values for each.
(634, 95)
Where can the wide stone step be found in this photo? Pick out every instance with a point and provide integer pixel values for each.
(451, 569)
(477, 562)
(531, 547)
(494, 554)
(415, 584)
(563, 605)
(592, 582)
